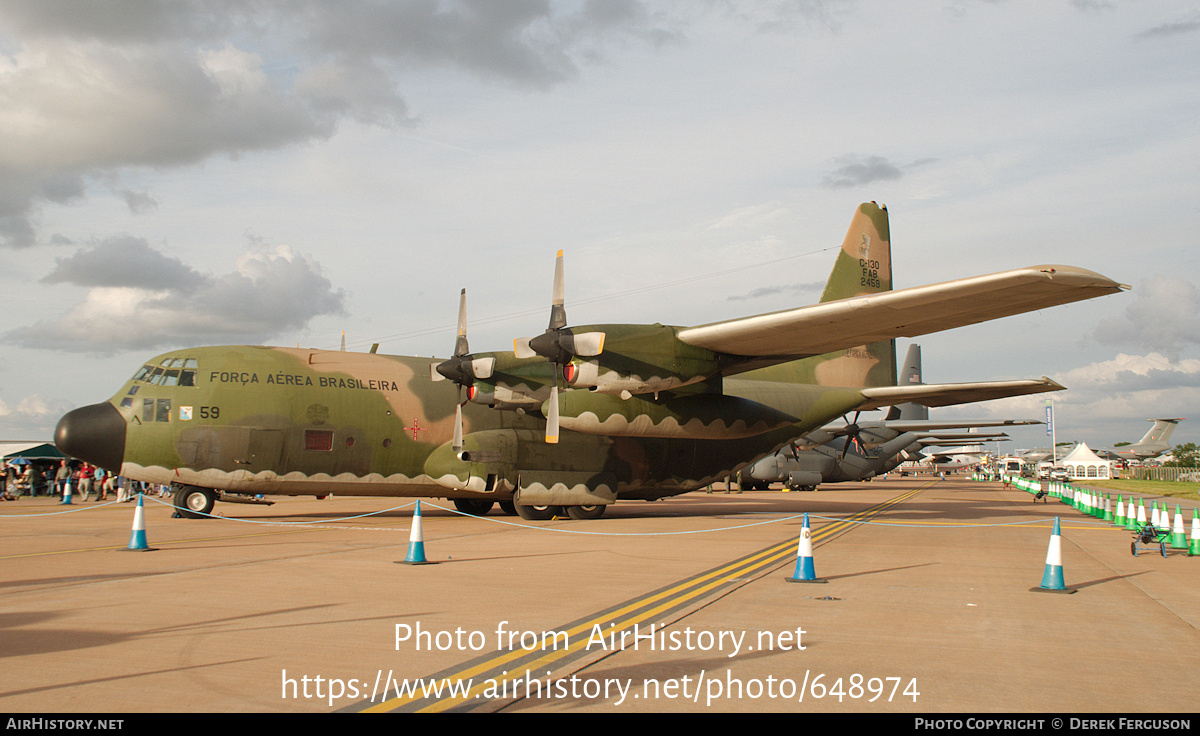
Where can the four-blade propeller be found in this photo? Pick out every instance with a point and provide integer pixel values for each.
(462, 368)
(558, 344)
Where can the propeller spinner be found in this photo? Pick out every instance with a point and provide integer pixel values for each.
(559, 345)
(462, 368)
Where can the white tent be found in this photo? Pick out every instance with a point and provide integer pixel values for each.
(1082, 464)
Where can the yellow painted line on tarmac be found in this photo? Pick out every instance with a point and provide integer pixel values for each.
(618, 620)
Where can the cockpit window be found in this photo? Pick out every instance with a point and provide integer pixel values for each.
(170, 372)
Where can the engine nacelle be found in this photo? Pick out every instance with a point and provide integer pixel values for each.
(590, 374)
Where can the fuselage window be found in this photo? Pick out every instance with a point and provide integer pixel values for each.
(147, 410)
(141, 374)
(170, 377)
(163, 411)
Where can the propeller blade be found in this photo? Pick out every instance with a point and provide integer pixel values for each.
(483, 367)
(460, 342)
(852, 434)
(457, 444)
(585, 344)
(552, 415)
(558, 311)
(521, 348)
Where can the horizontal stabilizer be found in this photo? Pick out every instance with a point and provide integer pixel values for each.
(949, 394)
(846, 323)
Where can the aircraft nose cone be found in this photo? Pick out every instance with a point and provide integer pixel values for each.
(93, 433)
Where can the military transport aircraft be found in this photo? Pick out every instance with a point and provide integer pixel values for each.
(860, 450)
(571, 420)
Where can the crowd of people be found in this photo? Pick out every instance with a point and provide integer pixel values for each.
(86, 481)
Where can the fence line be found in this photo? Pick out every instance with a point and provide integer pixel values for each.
(1170, 474)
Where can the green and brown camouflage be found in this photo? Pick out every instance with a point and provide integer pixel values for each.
(656, 411)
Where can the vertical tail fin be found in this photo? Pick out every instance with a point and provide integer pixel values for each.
(864, 266)
(910, 375)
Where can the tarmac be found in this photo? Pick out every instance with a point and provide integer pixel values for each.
(930, 605)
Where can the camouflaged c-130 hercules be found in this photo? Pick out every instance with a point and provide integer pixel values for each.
(574, 419)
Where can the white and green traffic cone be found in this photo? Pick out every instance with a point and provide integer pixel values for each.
(1178, 539)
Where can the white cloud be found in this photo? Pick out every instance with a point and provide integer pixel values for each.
(1164, 316)
(271, 290)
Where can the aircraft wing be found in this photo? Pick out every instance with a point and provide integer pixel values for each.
(846, 323)
(948, 394)
(933, 425)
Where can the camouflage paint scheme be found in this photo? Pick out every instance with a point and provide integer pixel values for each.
(664, 415)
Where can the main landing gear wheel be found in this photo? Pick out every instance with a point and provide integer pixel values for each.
(472, 506)
(584, 513)
(194, 503)
(537, 513)
(508, 507)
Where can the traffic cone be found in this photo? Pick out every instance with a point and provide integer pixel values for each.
(416, 541)
(67, 495)
(805, 571)
(1178, 541)
(1052, 578)
(1194, 548)
(1108, 509)
(137, 540)
(1119, 518)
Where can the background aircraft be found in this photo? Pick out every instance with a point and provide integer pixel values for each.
(1155, 442)
(862, 450)
(648, 410)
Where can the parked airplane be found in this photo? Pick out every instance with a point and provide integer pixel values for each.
(1152, 444)
(862, 450)
(648, 410)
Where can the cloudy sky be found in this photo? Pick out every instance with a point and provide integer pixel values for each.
(248, 171)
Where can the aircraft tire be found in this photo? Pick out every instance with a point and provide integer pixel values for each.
(585, 513)
(473, 506)
(508, 507)
(537, 513)
(194, 502)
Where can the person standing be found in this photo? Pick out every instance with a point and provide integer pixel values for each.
(61, 477)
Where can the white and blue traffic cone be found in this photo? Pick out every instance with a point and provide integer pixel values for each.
(416, 541)
(1052, 578)
(67, 495)
(137, 540)
(805, 570)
